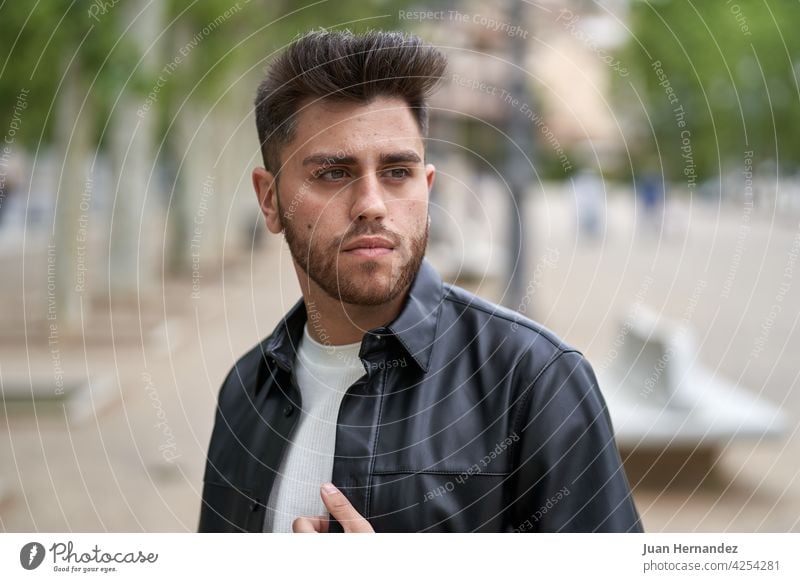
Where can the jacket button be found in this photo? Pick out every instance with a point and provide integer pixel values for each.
(288, 410)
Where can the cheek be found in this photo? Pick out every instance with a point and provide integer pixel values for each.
(322, 223)
(407, 205)
(313, 215)
(410, 215)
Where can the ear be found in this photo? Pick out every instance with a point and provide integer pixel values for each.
(430, 175)
(265, 185)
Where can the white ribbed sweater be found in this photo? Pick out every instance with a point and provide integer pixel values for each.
(323, 374)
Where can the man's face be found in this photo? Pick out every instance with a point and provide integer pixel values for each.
(352, 198)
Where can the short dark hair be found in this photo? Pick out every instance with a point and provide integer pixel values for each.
(342, 66)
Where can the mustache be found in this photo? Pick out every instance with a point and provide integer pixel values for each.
(360, 230)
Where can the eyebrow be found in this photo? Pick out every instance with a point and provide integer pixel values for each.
(404, 156)
(323, 158)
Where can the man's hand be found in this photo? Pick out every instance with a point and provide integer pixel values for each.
(340, 508)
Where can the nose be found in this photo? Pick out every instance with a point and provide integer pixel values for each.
(368, 199)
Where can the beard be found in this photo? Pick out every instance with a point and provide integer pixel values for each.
(366, 282)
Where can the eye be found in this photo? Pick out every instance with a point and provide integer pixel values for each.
(331, 174)
(398, 173)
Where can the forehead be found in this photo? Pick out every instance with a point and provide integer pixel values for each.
(357, 129)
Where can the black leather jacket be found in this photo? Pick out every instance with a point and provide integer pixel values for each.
(469, 417)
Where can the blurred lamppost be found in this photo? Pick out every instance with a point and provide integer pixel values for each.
(520, 149)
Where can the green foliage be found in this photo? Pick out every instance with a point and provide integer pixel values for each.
(44, 40)
(204, 45)
(220, 36)
(733, 67)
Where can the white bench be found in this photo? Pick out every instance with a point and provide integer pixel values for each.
(659, 395)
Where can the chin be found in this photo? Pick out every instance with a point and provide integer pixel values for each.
(369, 288)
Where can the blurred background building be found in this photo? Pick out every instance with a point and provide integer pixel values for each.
(624, 172)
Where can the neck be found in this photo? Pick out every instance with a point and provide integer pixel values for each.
(332, 322)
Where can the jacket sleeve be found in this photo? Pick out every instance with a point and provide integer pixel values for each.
(568, 474)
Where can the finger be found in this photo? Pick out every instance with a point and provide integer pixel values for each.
(315, 524)
(343, 511)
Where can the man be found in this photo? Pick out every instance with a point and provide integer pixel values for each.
(386, 400)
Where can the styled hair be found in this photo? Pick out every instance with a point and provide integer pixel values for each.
(342, 66)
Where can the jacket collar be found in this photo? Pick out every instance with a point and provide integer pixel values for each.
(414, 327)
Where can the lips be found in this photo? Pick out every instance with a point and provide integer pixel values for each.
(369, 246)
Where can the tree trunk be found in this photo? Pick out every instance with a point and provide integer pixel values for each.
(74, 201)
(132, 158)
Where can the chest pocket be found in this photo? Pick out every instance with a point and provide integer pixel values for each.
(433, 476)
(437, 502)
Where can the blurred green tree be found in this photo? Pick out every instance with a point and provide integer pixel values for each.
(69, 61)
(716, 79)
(47, 46)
